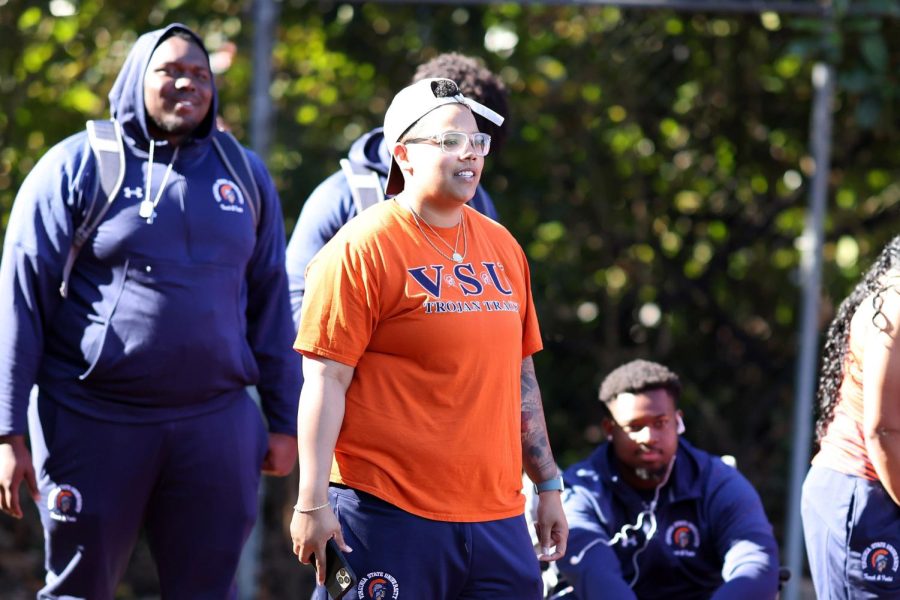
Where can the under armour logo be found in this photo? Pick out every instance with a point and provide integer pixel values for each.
(135, 192)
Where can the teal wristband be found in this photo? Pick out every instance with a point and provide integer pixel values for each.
(551, 485)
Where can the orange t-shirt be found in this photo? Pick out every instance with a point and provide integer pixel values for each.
(433, 413)
(843, 447)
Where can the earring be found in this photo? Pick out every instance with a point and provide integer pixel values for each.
(609, 437)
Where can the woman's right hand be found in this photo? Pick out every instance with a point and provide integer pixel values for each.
(310, 532)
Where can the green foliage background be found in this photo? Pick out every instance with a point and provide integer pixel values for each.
(656, 173)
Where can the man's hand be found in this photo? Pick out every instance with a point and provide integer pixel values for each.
(15, 465)
(282, 455)
(551, 526)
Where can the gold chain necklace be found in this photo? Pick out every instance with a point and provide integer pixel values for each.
(456, 256)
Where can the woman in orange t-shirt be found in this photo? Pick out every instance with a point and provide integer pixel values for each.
(851, 496)
(420, 407)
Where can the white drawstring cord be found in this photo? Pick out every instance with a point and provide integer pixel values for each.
(148, 206)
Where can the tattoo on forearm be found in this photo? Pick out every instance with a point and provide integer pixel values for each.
(536, 453)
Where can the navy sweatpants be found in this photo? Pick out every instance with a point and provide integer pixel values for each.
(852, 532)
(192, 483)
(398, 555)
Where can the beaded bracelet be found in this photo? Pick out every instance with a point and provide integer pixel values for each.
(304, 511)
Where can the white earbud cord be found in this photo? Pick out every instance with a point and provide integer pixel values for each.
(622, 534)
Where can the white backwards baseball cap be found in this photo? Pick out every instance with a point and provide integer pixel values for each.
(414, 102)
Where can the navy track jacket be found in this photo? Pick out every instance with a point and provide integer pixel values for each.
(710, 537)
(164, 320)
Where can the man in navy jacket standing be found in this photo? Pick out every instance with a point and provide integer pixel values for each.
(177, 302)
(650, 516)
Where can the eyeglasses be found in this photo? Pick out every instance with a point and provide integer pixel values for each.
(456, 142)
(657, 424)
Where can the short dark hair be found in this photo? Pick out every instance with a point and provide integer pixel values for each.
(638, 376)
(475, 81)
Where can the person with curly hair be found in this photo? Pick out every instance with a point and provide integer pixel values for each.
(851, 496)
(651, 516)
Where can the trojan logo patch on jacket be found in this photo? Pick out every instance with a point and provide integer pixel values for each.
(684, 538)
(880, 562)
(64, 502)
(228, 195)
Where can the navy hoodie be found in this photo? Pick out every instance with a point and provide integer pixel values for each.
(331, 205)
(706, 537)
(162, 321)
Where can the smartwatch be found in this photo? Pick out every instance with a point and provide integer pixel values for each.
(551, 485)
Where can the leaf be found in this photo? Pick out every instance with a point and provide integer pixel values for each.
(29, 18)
(857, 80)
(868, 112)
(875, 52)
(82, 99)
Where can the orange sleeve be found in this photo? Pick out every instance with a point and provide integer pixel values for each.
(340, 307)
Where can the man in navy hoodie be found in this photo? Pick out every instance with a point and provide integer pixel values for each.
(331, 204)
(650, 516)
(176, 304)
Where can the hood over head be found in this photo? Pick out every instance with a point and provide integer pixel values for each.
(126, 98)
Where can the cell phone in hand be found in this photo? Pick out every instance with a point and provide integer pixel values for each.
(339, 576)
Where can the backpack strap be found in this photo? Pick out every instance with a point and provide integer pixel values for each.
(105, 141)
(108, 149)
(235, 159)
(365, 185)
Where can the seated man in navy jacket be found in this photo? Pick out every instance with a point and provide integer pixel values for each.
(650, 516)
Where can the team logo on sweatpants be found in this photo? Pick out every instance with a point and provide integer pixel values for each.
(880, 562)
(228, 195)
(64, 503)
(378, 586)
(684, 538)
